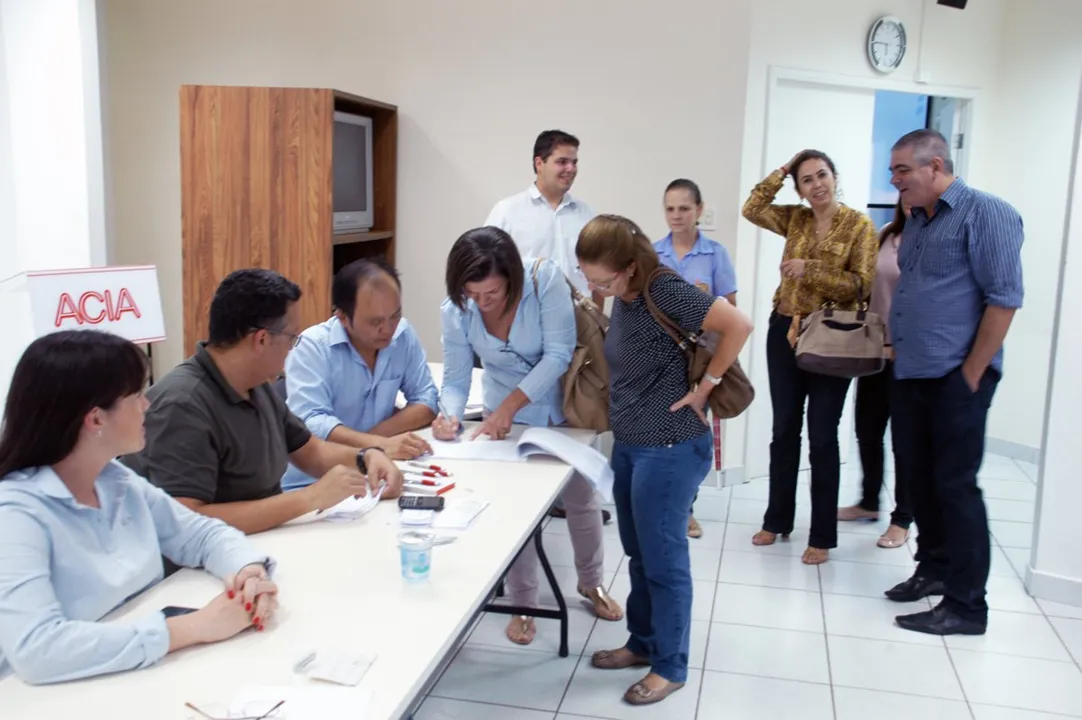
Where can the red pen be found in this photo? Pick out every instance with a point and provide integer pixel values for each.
(422, 473)
(433, 468)
(430, 483)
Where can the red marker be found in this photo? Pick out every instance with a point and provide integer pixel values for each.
(430, 483)
(433, 468)
(424, 473)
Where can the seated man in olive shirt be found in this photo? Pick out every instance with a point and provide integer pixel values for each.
(218, 437)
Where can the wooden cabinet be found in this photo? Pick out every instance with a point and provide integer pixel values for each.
(256, 191)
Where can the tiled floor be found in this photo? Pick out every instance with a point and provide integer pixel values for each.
(772, 638)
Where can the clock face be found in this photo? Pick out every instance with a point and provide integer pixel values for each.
(886, 44)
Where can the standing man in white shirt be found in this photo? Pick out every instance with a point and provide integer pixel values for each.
(544, 220)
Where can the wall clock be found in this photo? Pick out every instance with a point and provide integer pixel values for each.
(886, 44)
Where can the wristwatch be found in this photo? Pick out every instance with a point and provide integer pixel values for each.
(361, 464)
(715, 381)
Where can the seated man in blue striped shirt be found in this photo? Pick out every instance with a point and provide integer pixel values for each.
(344, 376)
(960, 285)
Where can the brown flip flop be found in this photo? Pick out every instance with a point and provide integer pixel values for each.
(639, 694)
(603, 606)
(521, 630)
(617, 659)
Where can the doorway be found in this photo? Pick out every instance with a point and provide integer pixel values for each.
(841, 120)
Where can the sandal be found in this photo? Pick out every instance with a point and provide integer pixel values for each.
(891, 541)
(640, 694)
(603, 606)
(765, 537)
(694, 529)
(815, 556)
(617, 659)
(521, 630)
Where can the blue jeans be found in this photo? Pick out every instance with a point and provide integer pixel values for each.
(654, 487)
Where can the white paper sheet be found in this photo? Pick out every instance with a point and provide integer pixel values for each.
(306, 702)
(525, 442)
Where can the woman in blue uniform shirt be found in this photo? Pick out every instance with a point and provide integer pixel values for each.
(701, 261)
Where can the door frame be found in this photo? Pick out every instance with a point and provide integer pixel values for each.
(972, 98)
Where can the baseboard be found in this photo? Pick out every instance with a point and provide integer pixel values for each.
(1013, 450)
(1046, 586)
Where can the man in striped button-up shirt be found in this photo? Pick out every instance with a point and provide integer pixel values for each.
(960, 285)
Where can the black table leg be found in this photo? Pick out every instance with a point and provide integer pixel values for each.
(560, 614)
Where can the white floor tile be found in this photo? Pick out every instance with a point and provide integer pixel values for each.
(443, 709)
(854, 704)
(1014, 634)
(1055, 609)
(1020, 511)
(519, 678)
(490, 631)
(1009, 594)
(750, 512)
(1030, 469)
(754, 490)
(560, 553)
(866, 580)
(743, 697)
(1016, 682)
(1008, 490)
(768, 607)
(611, 635)
(702, 595)
(752, 568)
(1019, 558)
(1001, 563)
(1070, 631)
(1000, 471)
(856, 548)
(871, 530)
(989, 712)
(711, 506)
(893, 667)
(1012, 534)
(713, 535)
(600, 693)
(765, 652)
(873, 619)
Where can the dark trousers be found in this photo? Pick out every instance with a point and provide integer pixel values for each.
(789, 387)
(938, 431)
(872, 414)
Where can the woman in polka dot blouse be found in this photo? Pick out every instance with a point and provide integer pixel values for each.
(662, 445)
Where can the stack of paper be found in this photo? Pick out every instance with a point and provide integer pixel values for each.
(352, 508)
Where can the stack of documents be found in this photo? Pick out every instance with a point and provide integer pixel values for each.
(459, 513)
(352, 508)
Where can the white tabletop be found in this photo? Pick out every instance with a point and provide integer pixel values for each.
(340, 587)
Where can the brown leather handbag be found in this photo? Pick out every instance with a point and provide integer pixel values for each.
(842, 343)
(735, 392)
(586, 383)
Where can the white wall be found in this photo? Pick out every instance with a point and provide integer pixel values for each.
(1033, 120)
(1055, 570)
(52, 190)
(474, 84)
(954, 52)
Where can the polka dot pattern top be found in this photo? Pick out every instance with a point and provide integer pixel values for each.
(648, 370)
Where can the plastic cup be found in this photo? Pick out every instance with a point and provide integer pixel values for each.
(415, 551)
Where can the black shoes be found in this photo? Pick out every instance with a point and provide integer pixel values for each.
(915, 588)
(940, 621)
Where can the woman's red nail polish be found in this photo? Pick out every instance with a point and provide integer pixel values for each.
(255, 620)
(260, 628)
(231, 594)
(248, 607)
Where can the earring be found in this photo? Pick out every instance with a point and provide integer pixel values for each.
(98, 433)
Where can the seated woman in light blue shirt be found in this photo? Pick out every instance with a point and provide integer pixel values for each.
(80, 533)
(522, 326)
(701, 261)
